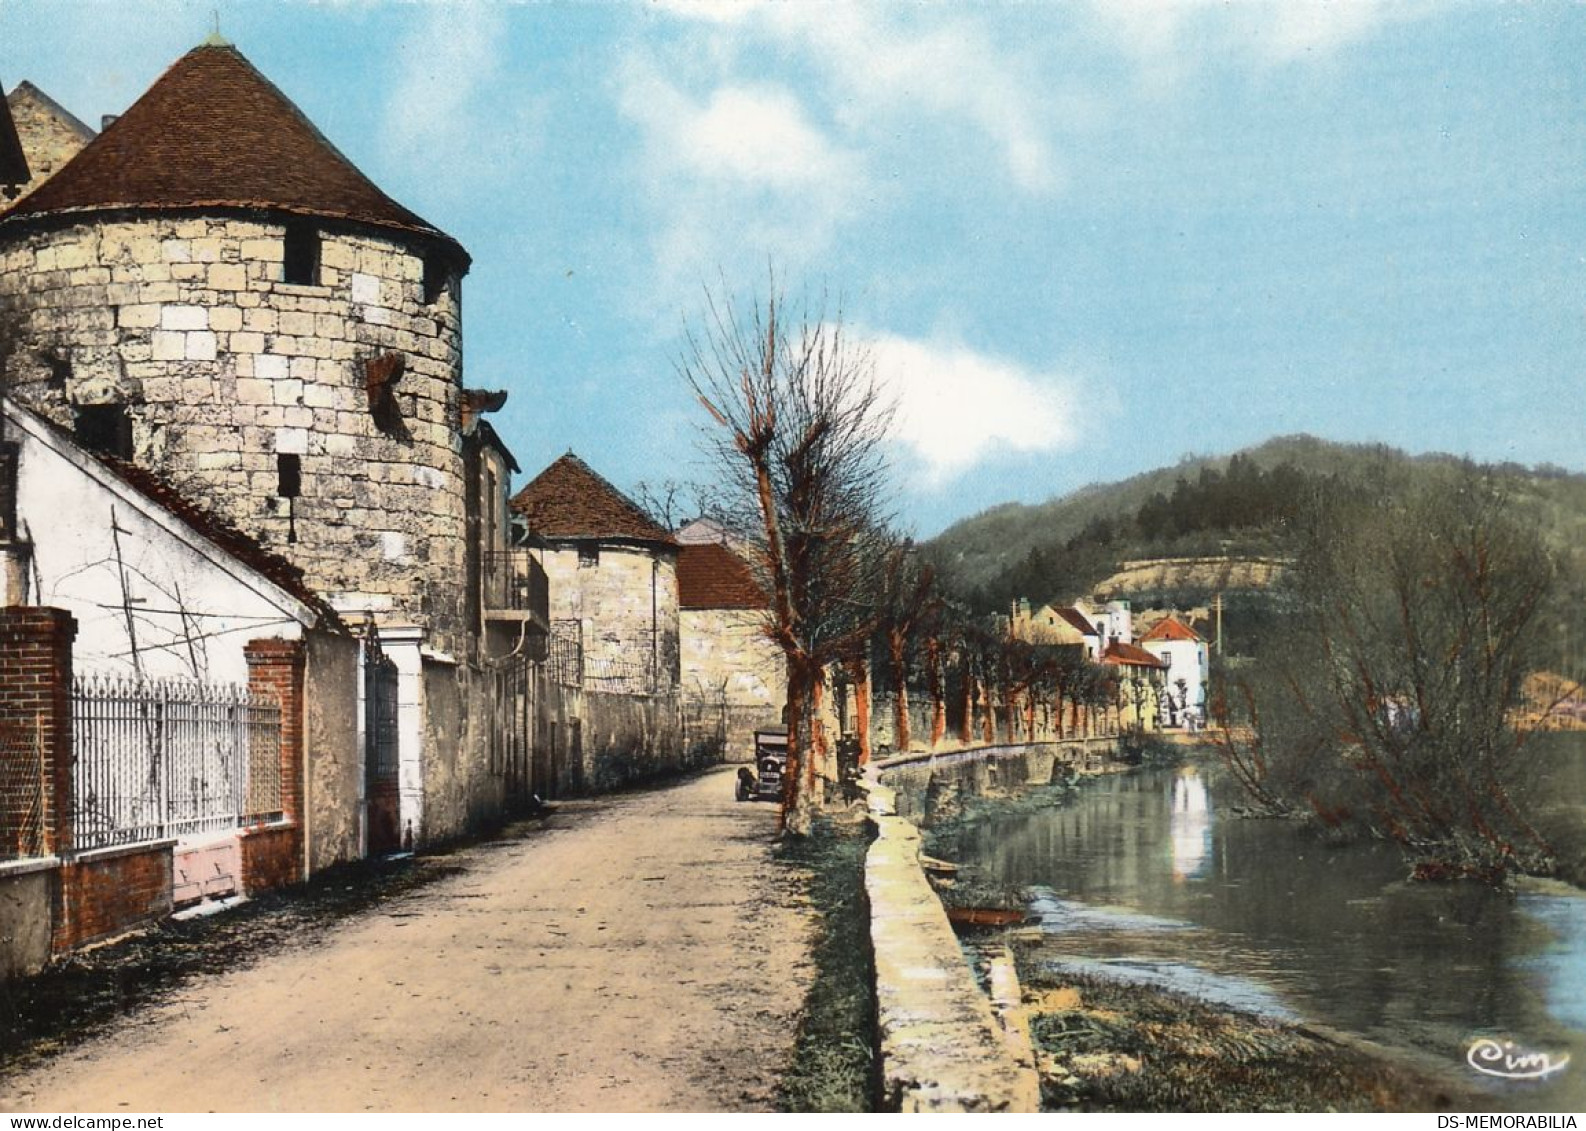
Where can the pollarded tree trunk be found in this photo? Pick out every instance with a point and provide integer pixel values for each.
(859, 673)
(798, 796)
(901, 734)
(933, 659)
(966, 725)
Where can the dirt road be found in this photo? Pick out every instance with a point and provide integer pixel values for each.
(637, 953)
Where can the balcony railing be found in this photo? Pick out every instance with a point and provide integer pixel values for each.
(515, 586)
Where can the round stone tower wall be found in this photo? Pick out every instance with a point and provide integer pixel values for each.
(238, 388)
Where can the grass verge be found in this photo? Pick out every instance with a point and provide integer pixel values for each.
(834, 1067)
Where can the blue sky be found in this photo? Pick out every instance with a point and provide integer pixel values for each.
(1084, 240)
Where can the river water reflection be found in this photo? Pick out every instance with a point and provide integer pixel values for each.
(1147, 876)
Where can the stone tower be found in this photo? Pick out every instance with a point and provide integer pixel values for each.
(210, 290)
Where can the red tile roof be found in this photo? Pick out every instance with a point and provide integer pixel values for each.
(710, 576)
(246, 549)
(1170, 629)
(569, 501)
(212, 132)
(1077, 619)
(1130, 655)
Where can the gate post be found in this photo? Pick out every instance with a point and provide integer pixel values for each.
(36, 700)
(272, 856)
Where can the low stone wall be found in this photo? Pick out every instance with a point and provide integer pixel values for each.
(942, 1047)
(923, 782)
(946, 1045)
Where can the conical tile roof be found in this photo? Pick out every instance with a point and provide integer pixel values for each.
(213, 132)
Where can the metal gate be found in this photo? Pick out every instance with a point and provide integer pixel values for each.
(381, 795)
(512, 732)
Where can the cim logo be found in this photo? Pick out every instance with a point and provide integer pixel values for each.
(1509, 1061)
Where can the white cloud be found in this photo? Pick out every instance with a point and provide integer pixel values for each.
(955, 406)
(742, 171)
(446, 99)
(756, 134)
(1168, 36)
(908, 63)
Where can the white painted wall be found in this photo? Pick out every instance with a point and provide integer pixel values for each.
(192, 606)
(1187, 660)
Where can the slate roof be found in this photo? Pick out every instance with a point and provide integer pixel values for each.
(569, 501)
(1170, 629)
(213, 132)
(710, 576)
(1131, 655)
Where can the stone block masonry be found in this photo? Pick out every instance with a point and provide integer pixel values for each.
(942, 1048)
(221, 368)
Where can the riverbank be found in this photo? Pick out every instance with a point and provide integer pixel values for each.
(1103, 1045)
(1137, 870)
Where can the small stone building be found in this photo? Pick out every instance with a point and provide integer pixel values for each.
(613, 582)
(731, 671)
(48, 134)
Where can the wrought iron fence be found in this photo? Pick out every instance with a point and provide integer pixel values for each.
(21, 792)
(572, 666)
(163, 759)
(565, 653)
(618, 676)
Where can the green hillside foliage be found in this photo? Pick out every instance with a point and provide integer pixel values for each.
(1238, 505)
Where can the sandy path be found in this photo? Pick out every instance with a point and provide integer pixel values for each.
(638, 953)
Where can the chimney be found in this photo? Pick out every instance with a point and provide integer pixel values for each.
(106, 121)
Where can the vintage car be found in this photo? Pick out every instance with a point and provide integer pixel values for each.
(764, 781)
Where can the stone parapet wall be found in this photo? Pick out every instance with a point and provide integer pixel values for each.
(223, 367)
(925, 782)
(945, 1044)
(942, 1046)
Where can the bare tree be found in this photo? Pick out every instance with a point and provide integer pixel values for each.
(798, 444)
(1397, 708)
(910, 606)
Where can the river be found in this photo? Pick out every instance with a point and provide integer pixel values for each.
(1149, 876)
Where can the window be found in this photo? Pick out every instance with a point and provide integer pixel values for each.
(104, 428)
(588, 556)
(289, 476)
(289, 486)
(301, 262)
(436, 277)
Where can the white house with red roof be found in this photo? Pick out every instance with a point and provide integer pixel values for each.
(1188, 669)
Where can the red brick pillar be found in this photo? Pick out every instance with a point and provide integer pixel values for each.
(272, 856)
(36, 713)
